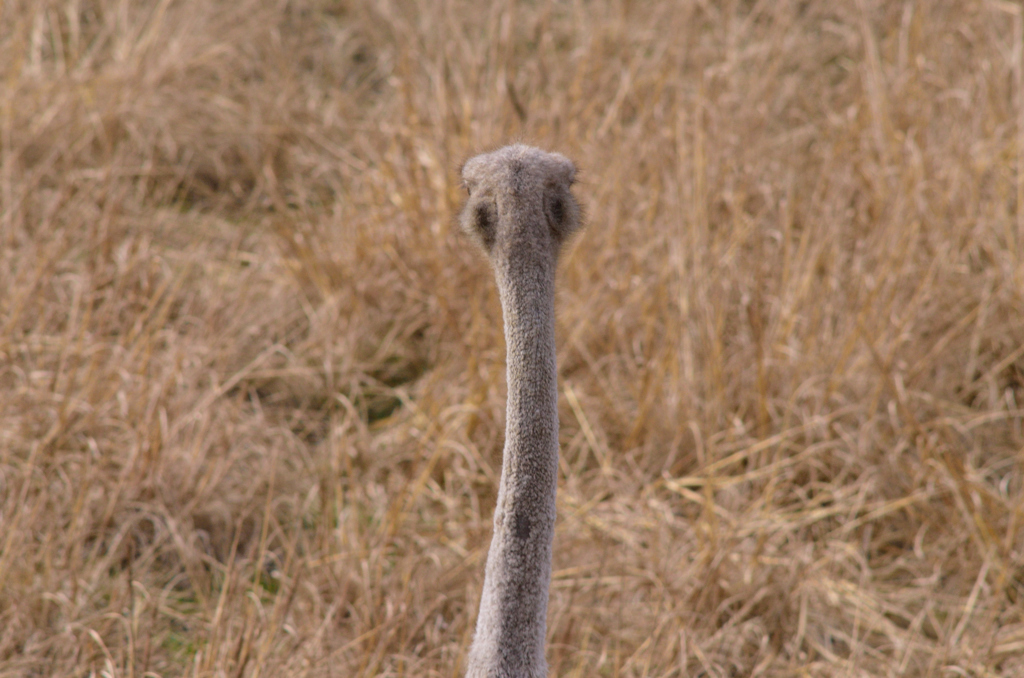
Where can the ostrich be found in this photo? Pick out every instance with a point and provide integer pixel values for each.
(520, 211)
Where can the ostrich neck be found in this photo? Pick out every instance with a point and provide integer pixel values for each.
(510, 631)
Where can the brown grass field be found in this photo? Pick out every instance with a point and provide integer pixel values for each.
(252, 379)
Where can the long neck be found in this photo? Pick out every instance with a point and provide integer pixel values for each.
(510, 630)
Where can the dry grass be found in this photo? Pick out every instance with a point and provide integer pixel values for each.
(252, 382)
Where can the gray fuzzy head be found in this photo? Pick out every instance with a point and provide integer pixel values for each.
(519, 197)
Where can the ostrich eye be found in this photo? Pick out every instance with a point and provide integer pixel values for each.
(557, 211)
(483, 218)
(484, 222)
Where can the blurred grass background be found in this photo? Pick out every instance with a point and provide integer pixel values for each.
(252, 380)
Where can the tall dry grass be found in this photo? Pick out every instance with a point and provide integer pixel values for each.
(252, 381)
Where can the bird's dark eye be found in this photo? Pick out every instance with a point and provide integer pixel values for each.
(483, 218)
(557, 208)
(484, 224)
